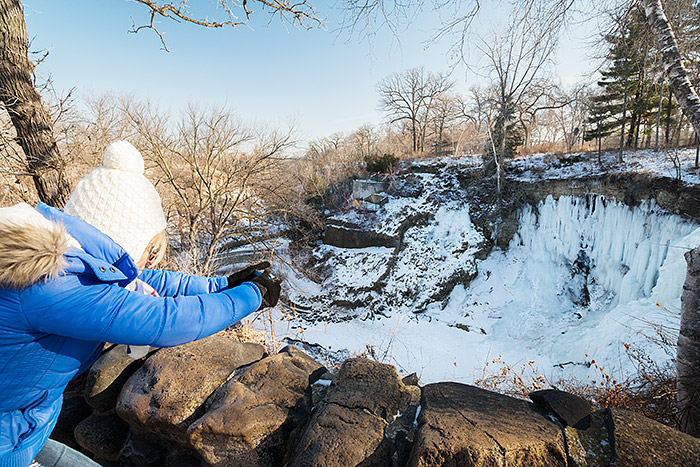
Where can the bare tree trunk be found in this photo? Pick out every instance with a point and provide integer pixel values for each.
(697, 149)
(23, 103)
(624, 118)
(658, 114)
(413, 132)
(502, 153)
(688, 358)
(677, 76)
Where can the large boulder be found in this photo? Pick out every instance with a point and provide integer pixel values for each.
(254, 419)
(107, 376)
(638, 441)
(348, 426)
(569, 409)
(103, 435)
(461, 425)
(168, 392)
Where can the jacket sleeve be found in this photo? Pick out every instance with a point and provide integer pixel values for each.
(103, 312)
(173, 284)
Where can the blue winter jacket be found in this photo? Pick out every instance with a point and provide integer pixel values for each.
(71, 302)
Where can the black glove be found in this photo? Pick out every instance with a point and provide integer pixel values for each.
(247, 274)
(269, 288)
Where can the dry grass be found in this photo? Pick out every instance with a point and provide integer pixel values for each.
(650, 391)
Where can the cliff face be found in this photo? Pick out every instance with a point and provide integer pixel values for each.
(559, 268)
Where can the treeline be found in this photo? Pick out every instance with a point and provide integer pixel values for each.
(223, 183)
(633, 102)
(630, 107)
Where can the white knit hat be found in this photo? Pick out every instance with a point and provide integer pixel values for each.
(119, 200)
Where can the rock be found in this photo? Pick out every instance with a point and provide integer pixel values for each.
(141, 453)
(575, 452)
(254, 419)
(639, 441)
(461, 425)
(168, 392)
(107, 376)
(595, 441)
(74, 411)
(569, 409)
(378, 199)
(348, 235)
(182, 458)
(348, 426)
(362, 189)
(103, 435)
(319, 388)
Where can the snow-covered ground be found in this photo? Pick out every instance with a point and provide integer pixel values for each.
(659, 164)
(582, 278)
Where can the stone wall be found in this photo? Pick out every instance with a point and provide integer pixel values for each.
(222, 402)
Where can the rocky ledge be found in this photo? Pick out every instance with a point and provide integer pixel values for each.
(222, 402)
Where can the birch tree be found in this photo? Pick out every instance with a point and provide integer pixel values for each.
(675, 72)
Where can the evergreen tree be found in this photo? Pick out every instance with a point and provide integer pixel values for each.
(629, 97)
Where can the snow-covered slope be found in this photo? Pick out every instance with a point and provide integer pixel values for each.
(582, 277)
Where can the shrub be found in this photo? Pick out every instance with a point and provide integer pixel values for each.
(380, 164)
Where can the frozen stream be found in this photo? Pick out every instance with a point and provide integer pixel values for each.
(581, 276)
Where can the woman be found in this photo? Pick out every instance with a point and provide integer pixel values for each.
(63, 294)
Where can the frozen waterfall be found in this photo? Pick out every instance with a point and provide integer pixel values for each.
(582, 276)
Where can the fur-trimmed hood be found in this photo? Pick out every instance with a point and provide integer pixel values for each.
(31, 247)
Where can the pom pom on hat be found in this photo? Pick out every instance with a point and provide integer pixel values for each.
(122, 155)
(119, 200)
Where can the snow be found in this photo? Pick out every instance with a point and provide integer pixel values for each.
(658, 164)
(345, 264)
(580, 280)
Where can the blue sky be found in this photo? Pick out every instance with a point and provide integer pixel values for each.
(270, 74)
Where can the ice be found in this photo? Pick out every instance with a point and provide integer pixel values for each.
(524, 304)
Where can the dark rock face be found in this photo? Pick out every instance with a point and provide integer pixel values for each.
(570, 410)
(103, 435)
(348, 427)
(461, 425)
(346, 235)
(168, 392)
(254, 418)
(107, 376)
(638, 441)
(140, 453)
(630, 189)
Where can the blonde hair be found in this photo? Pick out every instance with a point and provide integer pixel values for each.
(156, 249)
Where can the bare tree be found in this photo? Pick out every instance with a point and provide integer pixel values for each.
(515, 60)
(409, 97)
(689, 348)
(227, 13)
(208, 170)
(32, 122)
